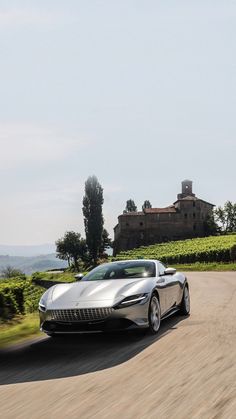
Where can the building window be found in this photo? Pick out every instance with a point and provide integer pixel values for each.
(194, 227)
(127, 224)
(194, 204)
(185, 215)
(194, 215)
(141, 223)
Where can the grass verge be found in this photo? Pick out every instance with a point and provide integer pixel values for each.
(19, 329)
(58, 277)
(201, 267)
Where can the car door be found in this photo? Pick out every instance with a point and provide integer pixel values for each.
(169, 285)
(162, 287)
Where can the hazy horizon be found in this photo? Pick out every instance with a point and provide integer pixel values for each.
(141, 94)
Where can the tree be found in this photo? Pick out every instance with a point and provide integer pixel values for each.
(146, 204)
(72, 247)
(10, 272)
(130, 206)
(106, 242)
(220, 217)
(93, 218)
(226, 217)
(210, 226)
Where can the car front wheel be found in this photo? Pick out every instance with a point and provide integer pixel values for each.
(154, 315)
(185, 304)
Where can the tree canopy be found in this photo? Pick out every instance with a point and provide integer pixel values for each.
(226, 217)
(105, 243)
(93, 217)
(146, 204)
(72, 247)
(130, 206)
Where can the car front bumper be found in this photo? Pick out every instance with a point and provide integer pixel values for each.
(77, 321)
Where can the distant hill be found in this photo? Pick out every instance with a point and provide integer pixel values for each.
(32, 264)
(21, 250)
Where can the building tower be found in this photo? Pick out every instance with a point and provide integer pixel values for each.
(187, 189)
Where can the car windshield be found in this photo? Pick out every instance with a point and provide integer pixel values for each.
(122, 270)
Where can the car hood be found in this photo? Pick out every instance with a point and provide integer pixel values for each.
(93, 293)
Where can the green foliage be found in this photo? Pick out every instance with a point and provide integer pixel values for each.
(93, 218)
(146, 204)
(105, 244)
(50, 276)
(226, 217)
(207, 249)
(38, 275)
(18, 296)
(130, 206)
(72, 247)
(206, 267)
(32, 295)
(11, 298)
(210, 226)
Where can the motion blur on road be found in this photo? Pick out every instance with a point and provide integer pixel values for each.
(187, 371)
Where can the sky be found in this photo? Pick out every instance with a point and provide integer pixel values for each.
(139, 93)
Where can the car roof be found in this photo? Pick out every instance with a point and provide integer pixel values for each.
(136, 260)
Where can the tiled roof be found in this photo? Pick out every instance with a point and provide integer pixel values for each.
(132, 213)
(189, 198)
(193, 198)
(160, 210)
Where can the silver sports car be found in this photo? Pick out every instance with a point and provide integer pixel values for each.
(117, 295)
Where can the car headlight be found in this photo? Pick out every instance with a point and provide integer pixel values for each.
(42, 304)
(131, 300)
(42, 307)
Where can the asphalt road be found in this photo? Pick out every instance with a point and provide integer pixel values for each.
(187, 371)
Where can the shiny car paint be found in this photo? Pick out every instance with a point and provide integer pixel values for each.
(90, 295)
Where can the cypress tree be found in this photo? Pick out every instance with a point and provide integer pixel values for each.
(93, 217)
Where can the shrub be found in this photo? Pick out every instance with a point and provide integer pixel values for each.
(32, 295)
(233, 253)
(11, 298)
(18, 296)
(208, 249)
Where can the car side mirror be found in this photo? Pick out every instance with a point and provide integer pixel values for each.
(78, 277)
(170, 271)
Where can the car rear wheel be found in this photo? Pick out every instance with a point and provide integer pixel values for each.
(154, 315)
(185, 304)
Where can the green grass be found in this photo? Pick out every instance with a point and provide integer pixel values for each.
(60, 277)
(205, 267)
(19, 329)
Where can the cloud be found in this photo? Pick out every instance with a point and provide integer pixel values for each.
(32, 144)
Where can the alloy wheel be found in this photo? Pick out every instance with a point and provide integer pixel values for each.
(154, 317)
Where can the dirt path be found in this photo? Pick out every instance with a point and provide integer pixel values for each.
(188, 371)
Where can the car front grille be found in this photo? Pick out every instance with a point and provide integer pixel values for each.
(81, 315)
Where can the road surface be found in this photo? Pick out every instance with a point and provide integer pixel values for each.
(188, 371)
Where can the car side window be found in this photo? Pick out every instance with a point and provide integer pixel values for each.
(161, 268)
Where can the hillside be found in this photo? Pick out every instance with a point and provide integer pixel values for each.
(27, 250)
(32, 264)
(207, 249)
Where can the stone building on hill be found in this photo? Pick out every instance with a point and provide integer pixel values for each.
(186, 218)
